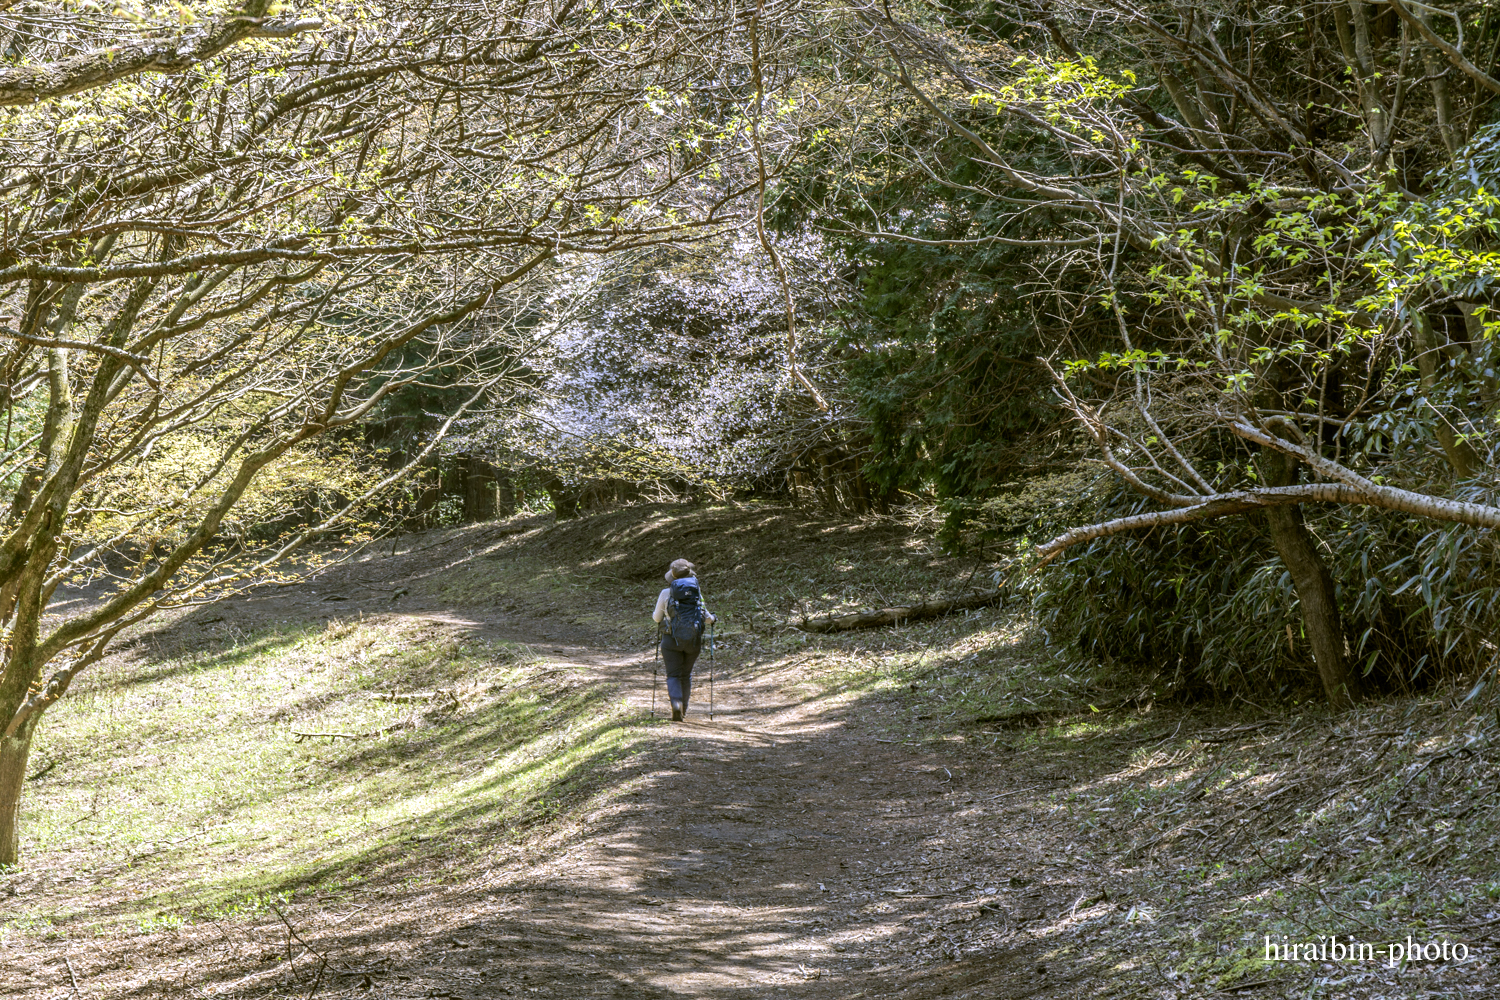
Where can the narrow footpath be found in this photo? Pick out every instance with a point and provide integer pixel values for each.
(770, 851)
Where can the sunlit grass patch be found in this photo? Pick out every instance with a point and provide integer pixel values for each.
(982, 670)
(763, 569)
(214, 781)
(1293, 827)
(26, 922)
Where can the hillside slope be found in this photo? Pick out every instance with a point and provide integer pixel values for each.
(434, 771)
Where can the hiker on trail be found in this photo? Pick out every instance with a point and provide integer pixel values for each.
(680, 616)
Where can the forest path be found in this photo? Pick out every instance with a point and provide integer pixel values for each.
(824, 835)
(773, 850)
(868, 818)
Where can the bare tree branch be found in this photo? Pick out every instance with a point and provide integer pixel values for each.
(102, 67)
(1438, 42)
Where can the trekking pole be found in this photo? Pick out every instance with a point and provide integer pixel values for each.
(655, 674)
(712, 647)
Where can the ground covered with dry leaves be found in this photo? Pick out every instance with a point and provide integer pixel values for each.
(433, 771)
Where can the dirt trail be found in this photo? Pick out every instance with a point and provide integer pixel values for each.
(809, 841)
(786, 847)
(773, 850)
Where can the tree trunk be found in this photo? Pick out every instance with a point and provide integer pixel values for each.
(14, 752)
(452, 477)
(506, 505)
(479, 490)
(1442, 102)
(1354, 38)
(1460, 454)
(1314, 583)
(896, 616)
(564, 500)
(427, 499)
(1186, 104)
(828, 496)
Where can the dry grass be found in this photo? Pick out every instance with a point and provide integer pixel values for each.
(175, 786)
(1162, 844)
(1217, 828)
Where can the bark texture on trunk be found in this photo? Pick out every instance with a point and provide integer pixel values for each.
(1314, 583)
(479, 490)
(1442, 102)
(14, 752)
(506, 499)
(1460, 454)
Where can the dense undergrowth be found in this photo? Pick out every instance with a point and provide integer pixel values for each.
(1209, 611)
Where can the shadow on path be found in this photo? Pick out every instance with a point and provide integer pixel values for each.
(771, 851)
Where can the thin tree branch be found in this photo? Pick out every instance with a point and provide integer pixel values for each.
(133, 360)
(1437, 41)
(102, 67)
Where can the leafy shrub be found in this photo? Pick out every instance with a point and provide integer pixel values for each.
(1209, 611)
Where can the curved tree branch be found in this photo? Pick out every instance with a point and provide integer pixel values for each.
(101, 67)
(1353, 489)
(1220, 505)
(1437, 41)
(133, 360)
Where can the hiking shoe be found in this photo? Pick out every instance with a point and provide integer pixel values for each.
(676, 712)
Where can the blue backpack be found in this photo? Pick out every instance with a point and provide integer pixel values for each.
(686, 617)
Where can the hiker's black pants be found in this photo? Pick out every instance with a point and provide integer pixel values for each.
(679, 661)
